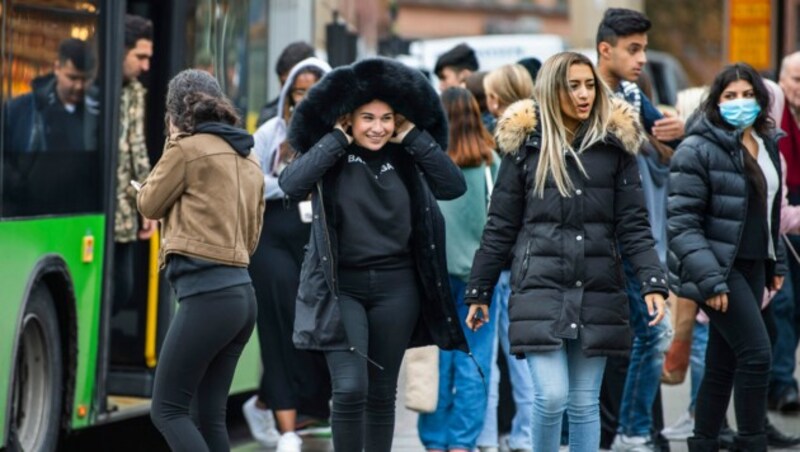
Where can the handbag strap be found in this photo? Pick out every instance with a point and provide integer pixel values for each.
(791, 248)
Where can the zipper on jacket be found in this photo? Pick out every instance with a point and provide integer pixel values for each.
(527, 256)
(327, 235)
(358, 352)
(742, 149)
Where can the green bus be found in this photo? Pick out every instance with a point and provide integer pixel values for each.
(67, 359)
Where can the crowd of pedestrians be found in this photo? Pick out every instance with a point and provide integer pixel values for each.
(542, 214)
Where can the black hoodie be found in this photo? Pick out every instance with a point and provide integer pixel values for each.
(238, 138)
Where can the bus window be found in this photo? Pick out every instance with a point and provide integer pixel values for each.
(51, 162)
(228, 39)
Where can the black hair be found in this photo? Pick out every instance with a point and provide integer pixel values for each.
(79, 52)
(532, 65)
(763, 123)
(728, 75)
(291, 55)
(459, 58)
(619, 23)
(136, 28)
(194, 97)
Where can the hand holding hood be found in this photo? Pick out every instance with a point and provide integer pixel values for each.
(346, 88)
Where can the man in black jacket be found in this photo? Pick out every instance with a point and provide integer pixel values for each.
(58, 114)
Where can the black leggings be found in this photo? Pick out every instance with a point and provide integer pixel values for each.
(379, 311)
(196, 367)
(292, 379)
(738, 357)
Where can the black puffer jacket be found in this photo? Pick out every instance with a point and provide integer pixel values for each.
(707, 208)
(566, 275)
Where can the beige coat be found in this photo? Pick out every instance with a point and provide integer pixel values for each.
(209, 199)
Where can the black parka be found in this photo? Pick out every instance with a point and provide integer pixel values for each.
(566, 274)
(427, 171)
(707, 208)
(430, 175)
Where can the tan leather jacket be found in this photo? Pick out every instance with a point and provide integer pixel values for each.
(209, 199)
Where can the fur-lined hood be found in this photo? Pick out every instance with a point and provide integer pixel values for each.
(346, 88)
(521, 119)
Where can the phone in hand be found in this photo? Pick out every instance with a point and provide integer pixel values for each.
(136, 185)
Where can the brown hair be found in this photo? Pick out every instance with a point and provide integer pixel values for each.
(474, 84)
(470, 142)
(194, 97)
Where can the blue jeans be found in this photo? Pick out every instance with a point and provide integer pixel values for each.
(458, 418)
(697, 359)
(566, 379)
(650, 343)
(787, 327)
(519, 374)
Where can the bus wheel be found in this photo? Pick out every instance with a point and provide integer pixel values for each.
(37, 394)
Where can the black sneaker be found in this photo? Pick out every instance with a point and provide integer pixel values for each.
(786, 400)
(778, 439)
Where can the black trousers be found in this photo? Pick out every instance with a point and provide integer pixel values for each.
(379, 310)
(196, 366)
(292, 379)
(738, 357)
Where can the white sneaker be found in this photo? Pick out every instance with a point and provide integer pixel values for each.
(289, 442)
(261, 423)
(682, 429)
(624, 443)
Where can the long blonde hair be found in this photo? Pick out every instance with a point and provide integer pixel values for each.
(509, 83)
(551, 81)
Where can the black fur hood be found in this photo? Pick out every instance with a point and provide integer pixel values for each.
(346, 88)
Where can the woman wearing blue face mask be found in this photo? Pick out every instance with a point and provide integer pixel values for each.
(724, 248)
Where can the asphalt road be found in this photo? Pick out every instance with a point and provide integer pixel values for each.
(138, 434)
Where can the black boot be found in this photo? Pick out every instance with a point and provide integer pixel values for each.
(757, 443)
(778, 439)
(702, 444)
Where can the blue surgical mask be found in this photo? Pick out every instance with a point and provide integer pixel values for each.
(740, 113)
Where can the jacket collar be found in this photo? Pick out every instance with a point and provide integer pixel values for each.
(520, 126)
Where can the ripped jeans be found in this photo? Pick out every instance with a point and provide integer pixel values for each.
(650, 343)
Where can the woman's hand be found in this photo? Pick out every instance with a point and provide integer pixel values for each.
(777, 283)
(343, 124)
(473, 320)
(401, 128)
(718, 302)
(655, 306)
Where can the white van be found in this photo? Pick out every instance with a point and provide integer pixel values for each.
(492, 50)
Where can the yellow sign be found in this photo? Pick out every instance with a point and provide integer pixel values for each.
(749, 37)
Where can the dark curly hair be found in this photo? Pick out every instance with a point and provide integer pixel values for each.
(195, 97)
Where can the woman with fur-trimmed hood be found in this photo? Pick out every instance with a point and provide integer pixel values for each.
(374, 279)
(288, 373)
(567, 194)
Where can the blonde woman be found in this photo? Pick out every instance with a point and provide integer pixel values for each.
(568, 191)
(504, 86)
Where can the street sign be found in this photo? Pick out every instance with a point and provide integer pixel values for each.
(749, 37)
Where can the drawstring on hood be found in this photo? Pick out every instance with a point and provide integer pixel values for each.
(363, 355)
(237, 138)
